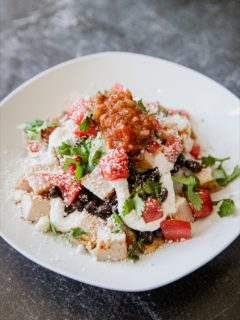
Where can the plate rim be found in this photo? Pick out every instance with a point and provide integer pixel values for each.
(65, 273)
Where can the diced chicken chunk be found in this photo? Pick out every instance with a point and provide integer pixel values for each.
(34, 207)
(110, 246)
(97, 184)
(34, 179)
(184, 211)
(206, 180)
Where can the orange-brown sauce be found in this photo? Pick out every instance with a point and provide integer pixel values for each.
(122, 122)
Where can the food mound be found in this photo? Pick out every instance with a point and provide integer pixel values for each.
(118, 176)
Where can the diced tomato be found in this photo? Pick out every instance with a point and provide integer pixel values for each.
(78, 111)
(69, 187)
(71, 170)
(176, 230)
(173, 148)
(196, 150)
(152, 210)
(206, 208)
(92, 131)
(34, 145)
(153, 146)
(114, 164)
(46, 133)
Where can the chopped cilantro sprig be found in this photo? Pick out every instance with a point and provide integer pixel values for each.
(89, 150)
(136, 200)
(134, 252)
(77, 233)
(87, 120)
(226, 208)
(119, 223)
(191, 183)
(33, 129)
(141, 106)
(219, 174)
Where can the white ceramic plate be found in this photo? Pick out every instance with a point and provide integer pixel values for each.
(216, 116)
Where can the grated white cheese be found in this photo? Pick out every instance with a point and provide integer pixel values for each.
(60, 134)
(43, 224)
(176, 122)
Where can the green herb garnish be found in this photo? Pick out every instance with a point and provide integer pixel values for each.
(190, 182)
(33, 129)
(225, 179)
(119, 223)
(134, 252)
(84, 125)
(53, 229)
(79, 168)
(89, 150)
(219, 174)
(139, 194)
(77, 233)
(210, 161)
(226, 208)
(142, 106)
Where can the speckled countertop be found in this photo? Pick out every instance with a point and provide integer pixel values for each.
(37, 34)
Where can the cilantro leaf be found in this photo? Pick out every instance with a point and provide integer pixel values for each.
(218, 173)
(142, 106)
(119, 223)
(186, 180)
(77, 233)
(152, 188)
(223, 181)
(128, 206)
(33, 129)
(53, 228)
(138, 205)
(191, 183)
(210, 161)
(89, 150)
(135, 202)
(84, 125)
(134, 252)
(96, 151)
(79, 168)
(118, 219)
(227, 207)
(194, 197)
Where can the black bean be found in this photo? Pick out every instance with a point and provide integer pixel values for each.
(192, 165)
(181, 160)
(147, 236)
(178, 164)
(78, 205)
(84, 197)
(91, 206)
(163, 194)
(158, 233)
(55, 192)
(69, 209)
(104, 210)
(154, 175)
